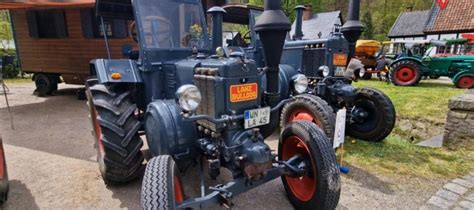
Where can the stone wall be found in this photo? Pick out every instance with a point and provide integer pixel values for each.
(459, 128)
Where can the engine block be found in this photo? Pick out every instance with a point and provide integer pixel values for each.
(228, 87)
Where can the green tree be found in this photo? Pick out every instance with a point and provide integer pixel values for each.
(369, 27)
(6, 35)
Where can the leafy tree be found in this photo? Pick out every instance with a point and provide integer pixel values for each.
(6, 35)
(369, 27)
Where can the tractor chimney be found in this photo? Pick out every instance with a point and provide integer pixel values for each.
(272, 28)
(217, 16)
(299, 22)
(353, 28)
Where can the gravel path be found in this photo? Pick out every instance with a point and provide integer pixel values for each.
(50, 159)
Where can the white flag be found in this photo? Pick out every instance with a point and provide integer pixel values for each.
(339, 134)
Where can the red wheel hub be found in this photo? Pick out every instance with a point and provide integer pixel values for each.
(304, 115)
(466, 82)
(405, 75)
(303, 187)
(97, 130)
(178, 193)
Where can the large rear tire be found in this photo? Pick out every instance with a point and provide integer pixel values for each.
(310, 108)
(406, 73)
(378, 116)
(116, 133)
(320, 187)
(161, 187)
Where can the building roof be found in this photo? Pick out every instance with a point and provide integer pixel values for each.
(21, 4)
(410, 24)
(457, 17)
(319, 23)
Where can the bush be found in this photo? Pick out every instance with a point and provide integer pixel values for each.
(10, 71)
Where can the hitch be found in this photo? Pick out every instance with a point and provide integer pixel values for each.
(222, 194)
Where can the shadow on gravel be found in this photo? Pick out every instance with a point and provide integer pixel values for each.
(56, 124)
(19, 197)
(370, 181)
(128, 194)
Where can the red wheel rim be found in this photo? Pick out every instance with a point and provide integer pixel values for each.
(178, 192)
(304, 115)
(303, 188)
(466, 82)
(2, 156)
(405, 75)
(97, 130)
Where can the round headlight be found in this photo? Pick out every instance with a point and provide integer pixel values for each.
(325, 70)
(189, 97)
(300, 83)
(362, 72)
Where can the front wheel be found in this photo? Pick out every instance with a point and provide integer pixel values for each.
(373, 115)
(320, 187)
(161, 187)
(310, 108)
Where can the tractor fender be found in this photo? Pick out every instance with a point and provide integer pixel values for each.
(458, 75)
(166, 131)
(115, 71)
(406, 58)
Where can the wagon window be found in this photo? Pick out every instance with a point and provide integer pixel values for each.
(47, 24)
(92, 27)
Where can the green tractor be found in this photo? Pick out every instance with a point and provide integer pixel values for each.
(444, 58)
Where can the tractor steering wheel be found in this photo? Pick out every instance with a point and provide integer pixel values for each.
(164, 32)
(133, 31)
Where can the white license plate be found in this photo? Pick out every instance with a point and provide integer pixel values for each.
(257, 117)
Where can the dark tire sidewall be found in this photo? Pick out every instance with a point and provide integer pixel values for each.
(316, 107)
(43, 84)
(328, 183)
(385, 119)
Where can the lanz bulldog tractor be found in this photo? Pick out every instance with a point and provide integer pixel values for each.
(197, 106)
(370, 113)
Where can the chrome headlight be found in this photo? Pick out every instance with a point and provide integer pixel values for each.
(189, 97)
(362, 72)
(300, 83)
(324, 70)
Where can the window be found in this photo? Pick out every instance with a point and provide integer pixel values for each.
(47, 24)
(92, 27)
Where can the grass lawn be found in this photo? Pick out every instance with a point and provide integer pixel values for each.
(26, 79)
(425, 104)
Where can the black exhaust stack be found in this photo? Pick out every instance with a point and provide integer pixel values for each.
(353, 28)
(272, 28)
(217, 14)
(299, 22)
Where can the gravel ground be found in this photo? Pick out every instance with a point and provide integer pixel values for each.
(51, 165)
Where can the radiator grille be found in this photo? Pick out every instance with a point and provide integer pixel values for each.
(312, 60)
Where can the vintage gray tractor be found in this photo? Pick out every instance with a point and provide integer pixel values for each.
(197, 106)
(370, 113)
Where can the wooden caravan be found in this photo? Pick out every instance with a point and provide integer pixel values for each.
(57, 39)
